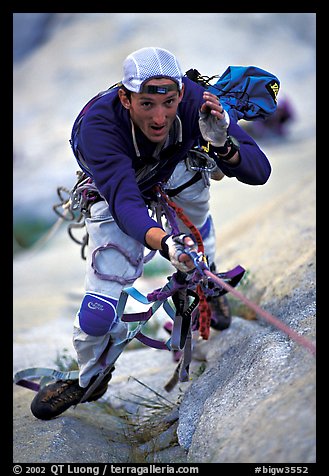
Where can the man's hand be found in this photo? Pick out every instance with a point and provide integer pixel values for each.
(213, 121)
(173, 249)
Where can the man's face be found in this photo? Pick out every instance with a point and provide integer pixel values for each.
(154, 113)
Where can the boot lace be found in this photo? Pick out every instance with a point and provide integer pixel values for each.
(65, 392)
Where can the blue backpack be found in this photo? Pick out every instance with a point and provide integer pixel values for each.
(248, 92)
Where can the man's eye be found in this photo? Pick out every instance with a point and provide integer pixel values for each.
(170, 102)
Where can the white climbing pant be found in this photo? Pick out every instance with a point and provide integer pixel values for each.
(124, 262)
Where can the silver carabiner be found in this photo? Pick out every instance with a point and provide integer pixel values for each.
(199, 161)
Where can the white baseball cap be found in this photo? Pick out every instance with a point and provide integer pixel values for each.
(148, 63)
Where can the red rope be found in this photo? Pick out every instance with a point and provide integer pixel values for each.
(179, 212)
(309, 345)
(204, 315)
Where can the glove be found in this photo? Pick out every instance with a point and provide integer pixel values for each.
(214, 130)
(173, 246)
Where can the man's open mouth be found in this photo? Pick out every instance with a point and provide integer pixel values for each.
(157, 128)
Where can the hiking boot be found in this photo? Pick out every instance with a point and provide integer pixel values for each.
(56, 398)
(220, 313)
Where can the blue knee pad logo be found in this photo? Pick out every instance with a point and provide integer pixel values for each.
(97, 314)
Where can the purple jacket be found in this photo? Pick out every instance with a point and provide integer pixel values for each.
(106, 144)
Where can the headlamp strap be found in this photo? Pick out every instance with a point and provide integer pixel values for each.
(163, 89)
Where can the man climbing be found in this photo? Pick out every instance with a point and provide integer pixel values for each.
(150, 129)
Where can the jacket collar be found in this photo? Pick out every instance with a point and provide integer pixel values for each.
(175, 136)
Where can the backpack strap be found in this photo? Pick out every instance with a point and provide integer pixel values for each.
(175, 191)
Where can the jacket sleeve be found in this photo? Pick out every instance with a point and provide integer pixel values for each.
(254, 167)
(105, 150)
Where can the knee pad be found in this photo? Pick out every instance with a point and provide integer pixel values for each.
(97, 314)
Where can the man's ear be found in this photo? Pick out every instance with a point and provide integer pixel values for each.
(181, 93)
(124, 98)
